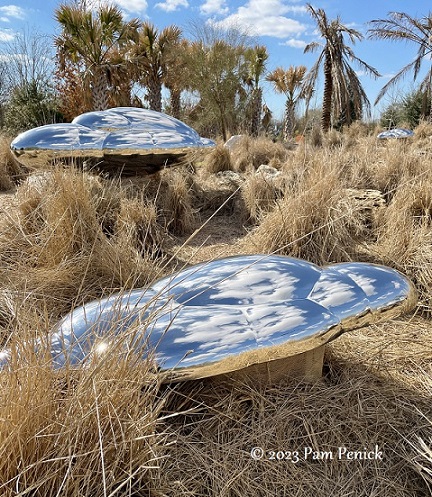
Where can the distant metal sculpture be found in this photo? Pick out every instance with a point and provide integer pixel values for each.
(257, 314)
(124, 138)
(396, 133)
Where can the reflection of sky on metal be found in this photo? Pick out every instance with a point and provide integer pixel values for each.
(117, 129)
(217, 310)
(396, 133)
(60, 137)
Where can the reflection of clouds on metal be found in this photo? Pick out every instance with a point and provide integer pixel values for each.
(396, 133)
(227, 314)
(127, 134)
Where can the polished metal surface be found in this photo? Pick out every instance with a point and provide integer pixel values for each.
(122, 131)
(396, 133)
(227, 314)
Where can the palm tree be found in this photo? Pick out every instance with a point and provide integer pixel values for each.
(91, 38)
(151, 55)
(177, 75)
(256, 62)
(401, 26)
(289, 82)
(343, 91)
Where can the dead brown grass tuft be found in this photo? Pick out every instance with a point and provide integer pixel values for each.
(260, 193)
(10, 171)
(73, 433)
(58, 247)
(137, 226)
(316, 137)
(176, 201)
(423, 130)
(405, 236)
(250, 153)
(219, 159)
(320, 222)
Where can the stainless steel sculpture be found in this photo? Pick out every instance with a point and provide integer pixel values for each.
(124, 138)
(236, 313)
(396, 133)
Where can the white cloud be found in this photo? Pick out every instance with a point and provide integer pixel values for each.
(210, 7)
(296, 9)
(132, 5)
(12, 11)
(172, 5)
(265, 17)
(4, 19)
(6, 35)
(295, 43)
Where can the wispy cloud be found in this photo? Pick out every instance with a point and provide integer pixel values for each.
(137, 6)
(294, 43)
(7, 35)
(214, 7)
(14, 11)
(172, 5)
(296, 9)
(265, 17)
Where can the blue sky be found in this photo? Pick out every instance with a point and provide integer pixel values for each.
(283, 26)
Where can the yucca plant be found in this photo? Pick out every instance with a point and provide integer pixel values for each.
(289, 82)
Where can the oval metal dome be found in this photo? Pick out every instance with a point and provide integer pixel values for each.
(123, 138)
(230, 314)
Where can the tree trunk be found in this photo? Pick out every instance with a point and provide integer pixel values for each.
(328, 93)
(175, 102)
(99, 90)
(289, 120)
(256, 102)
(154, 95)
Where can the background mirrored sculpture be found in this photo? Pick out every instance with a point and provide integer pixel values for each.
(126, 139)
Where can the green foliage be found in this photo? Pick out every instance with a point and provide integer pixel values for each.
(218, 70)
(410, 109)
(30, 105)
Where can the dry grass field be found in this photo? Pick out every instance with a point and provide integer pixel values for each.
(113, 429)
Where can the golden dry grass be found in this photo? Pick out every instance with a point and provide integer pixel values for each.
(87, 432)
(320, 222)
(68, 240)
(218, 159)
(250, 153)
(111, 429)
(10, 171)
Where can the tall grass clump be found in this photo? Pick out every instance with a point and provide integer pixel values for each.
(319, 221)
(405, 236)
(251, 153)
(175, 200)
(260, 193)
(73, 433)
(218, 160)
(57, 246)
(137, 226)
(10, 171)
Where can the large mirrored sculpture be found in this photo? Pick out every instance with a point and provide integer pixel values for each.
(125, 138)
(235, 313)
